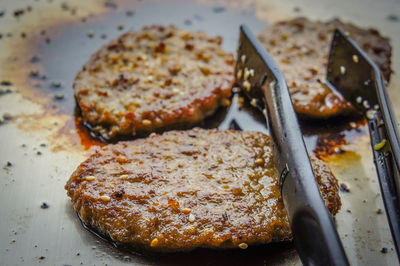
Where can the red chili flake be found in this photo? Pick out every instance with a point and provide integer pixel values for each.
(329, 145)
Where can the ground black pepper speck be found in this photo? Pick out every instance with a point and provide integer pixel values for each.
(34, 59)
(44, 205)
(384, 250)
(6, 83)
(344, 187)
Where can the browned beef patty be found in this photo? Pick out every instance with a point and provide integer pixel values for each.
(301, 49)
(187, 189)
(153, 78)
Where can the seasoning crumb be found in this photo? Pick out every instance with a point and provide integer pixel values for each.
(243, 245)
(191, 218)
(379, 211)
(6, 83)
(90, 178)
(344, 187)
(154, 242)
(105, 198)
(392, 18)
(44, 205)
(7, 116)
(218, 9)
(225, 102)
(186, 210)
(129, 13)
(384, 250)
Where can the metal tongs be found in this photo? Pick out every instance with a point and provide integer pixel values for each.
(352, 73)
(314, 233)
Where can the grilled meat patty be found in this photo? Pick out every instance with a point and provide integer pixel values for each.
(301, 49)
(187, 189)
(153, 78)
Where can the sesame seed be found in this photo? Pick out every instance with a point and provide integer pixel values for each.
(154, 242)
(152, 134)
(342, 70)
(246, 74)
(247, 85)
(146, 122)
(251, 72)
(90, 178)
(186, 210)
(243, 245)
(123, 177)
(236, 89)
(239, 74)
(253, 102)
(264, 112)
(259, 161)
(243, 58)
(191, 218)
(366, 104)
(355, 58)
(371, 114)
(359, 99)
(376, 107)
(105, 198)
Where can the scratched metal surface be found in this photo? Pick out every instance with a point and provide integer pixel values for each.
(40, 145)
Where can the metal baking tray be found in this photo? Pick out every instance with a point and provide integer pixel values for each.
(42, 46)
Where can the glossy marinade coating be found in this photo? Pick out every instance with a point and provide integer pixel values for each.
(153, 78)
(187, 189)
(301, 49)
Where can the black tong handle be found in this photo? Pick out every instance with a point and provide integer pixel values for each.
(352, 73)
(315, 236)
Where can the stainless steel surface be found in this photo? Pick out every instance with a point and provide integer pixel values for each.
(362, 84)
(31, 235)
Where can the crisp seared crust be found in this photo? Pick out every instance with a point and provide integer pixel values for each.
(301, 49)
(154, 78)
(187, 189)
